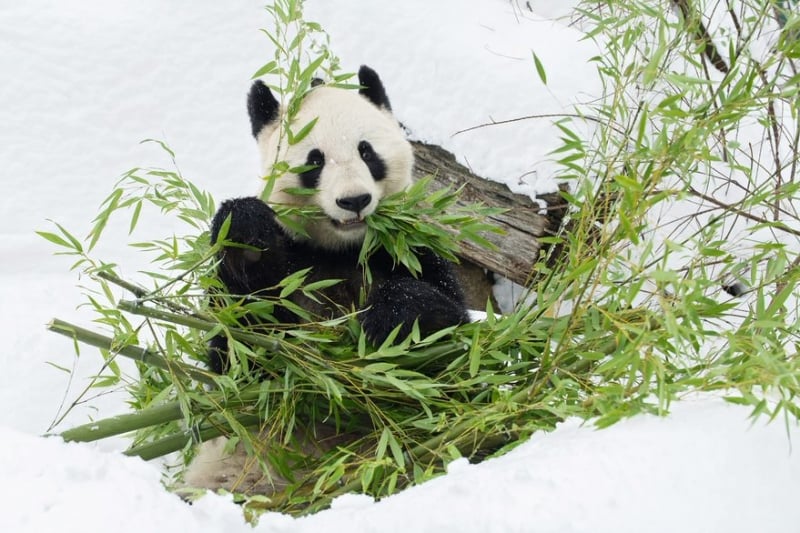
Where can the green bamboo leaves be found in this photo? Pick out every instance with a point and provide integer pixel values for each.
(418, 218)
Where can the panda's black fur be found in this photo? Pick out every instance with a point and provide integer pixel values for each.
(272, 252)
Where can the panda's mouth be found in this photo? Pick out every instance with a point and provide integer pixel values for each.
(348, 224)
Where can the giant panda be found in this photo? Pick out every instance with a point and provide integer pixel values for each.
(355, 155)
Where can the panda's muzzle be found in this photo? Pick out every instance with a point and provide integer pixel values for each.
(355, 205)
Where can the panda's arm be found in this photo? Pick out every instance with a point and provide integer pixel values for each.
(435, 300)
(259, 262)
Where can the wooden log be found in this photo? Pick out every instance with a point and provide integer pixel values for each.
(523, 222)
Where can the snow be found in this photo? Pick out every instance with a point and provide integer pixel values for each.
(704, 468)
(85, 81)
(459, 65)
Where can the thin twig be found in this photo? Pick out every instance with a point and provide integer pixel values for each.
(530, 117)
(729, 207)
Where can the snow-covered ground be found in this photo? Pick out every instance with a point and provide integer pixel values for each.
(703, 469)
(85, 80)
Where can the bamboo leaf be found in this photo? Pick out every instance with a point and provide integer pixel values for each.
(55, 239)
(539, 68)
(294, 138)
(268, 68)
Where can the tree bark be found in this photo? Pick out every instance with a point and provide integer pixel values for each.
(523, 222)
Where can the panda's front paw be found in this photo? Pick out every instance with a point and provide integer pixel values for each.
(377, 323)
(251, 222)
(253, 242)
(401, 302)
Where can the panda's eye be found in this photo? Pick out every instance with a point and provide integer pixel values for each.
(365, 151)
(372, 160)
(315, 158)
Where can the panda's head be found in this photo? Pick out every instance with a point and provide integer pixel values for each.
(357, 148)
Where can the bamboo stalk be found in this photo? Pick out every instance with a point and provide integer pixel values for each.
(137, 353)
(197, 323)
(117, 425)
(427, 355)
(138, 291)
(200, 433)
(134, 289)
(151, 416)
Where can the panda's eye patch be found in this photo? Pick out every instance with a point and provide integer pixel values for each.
(310, 178)
(365, 151)
(373, 161)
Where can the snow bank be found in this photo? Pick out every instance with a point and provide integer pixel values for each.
(704, 468)
(49, 485)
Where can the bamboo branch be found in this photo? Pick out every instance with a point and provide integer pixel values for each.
(744, 214)
(541, 116)
(196, 322)
(151, 416)
(131, 351)
(138, 291)
(200, 433)
(117, 425)
(417, 359)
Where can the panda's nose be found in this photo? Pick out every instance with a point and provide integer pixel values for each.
(354, 203)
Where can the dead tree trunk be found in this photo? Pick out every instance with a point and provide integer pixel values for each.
(523, 222)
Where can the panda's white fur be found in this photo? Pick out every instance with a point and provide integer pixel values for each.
(215, 467)
(344, 118)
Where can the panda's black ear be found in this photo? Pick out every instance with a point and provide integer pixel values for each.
(372, 88)
(261, 106)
